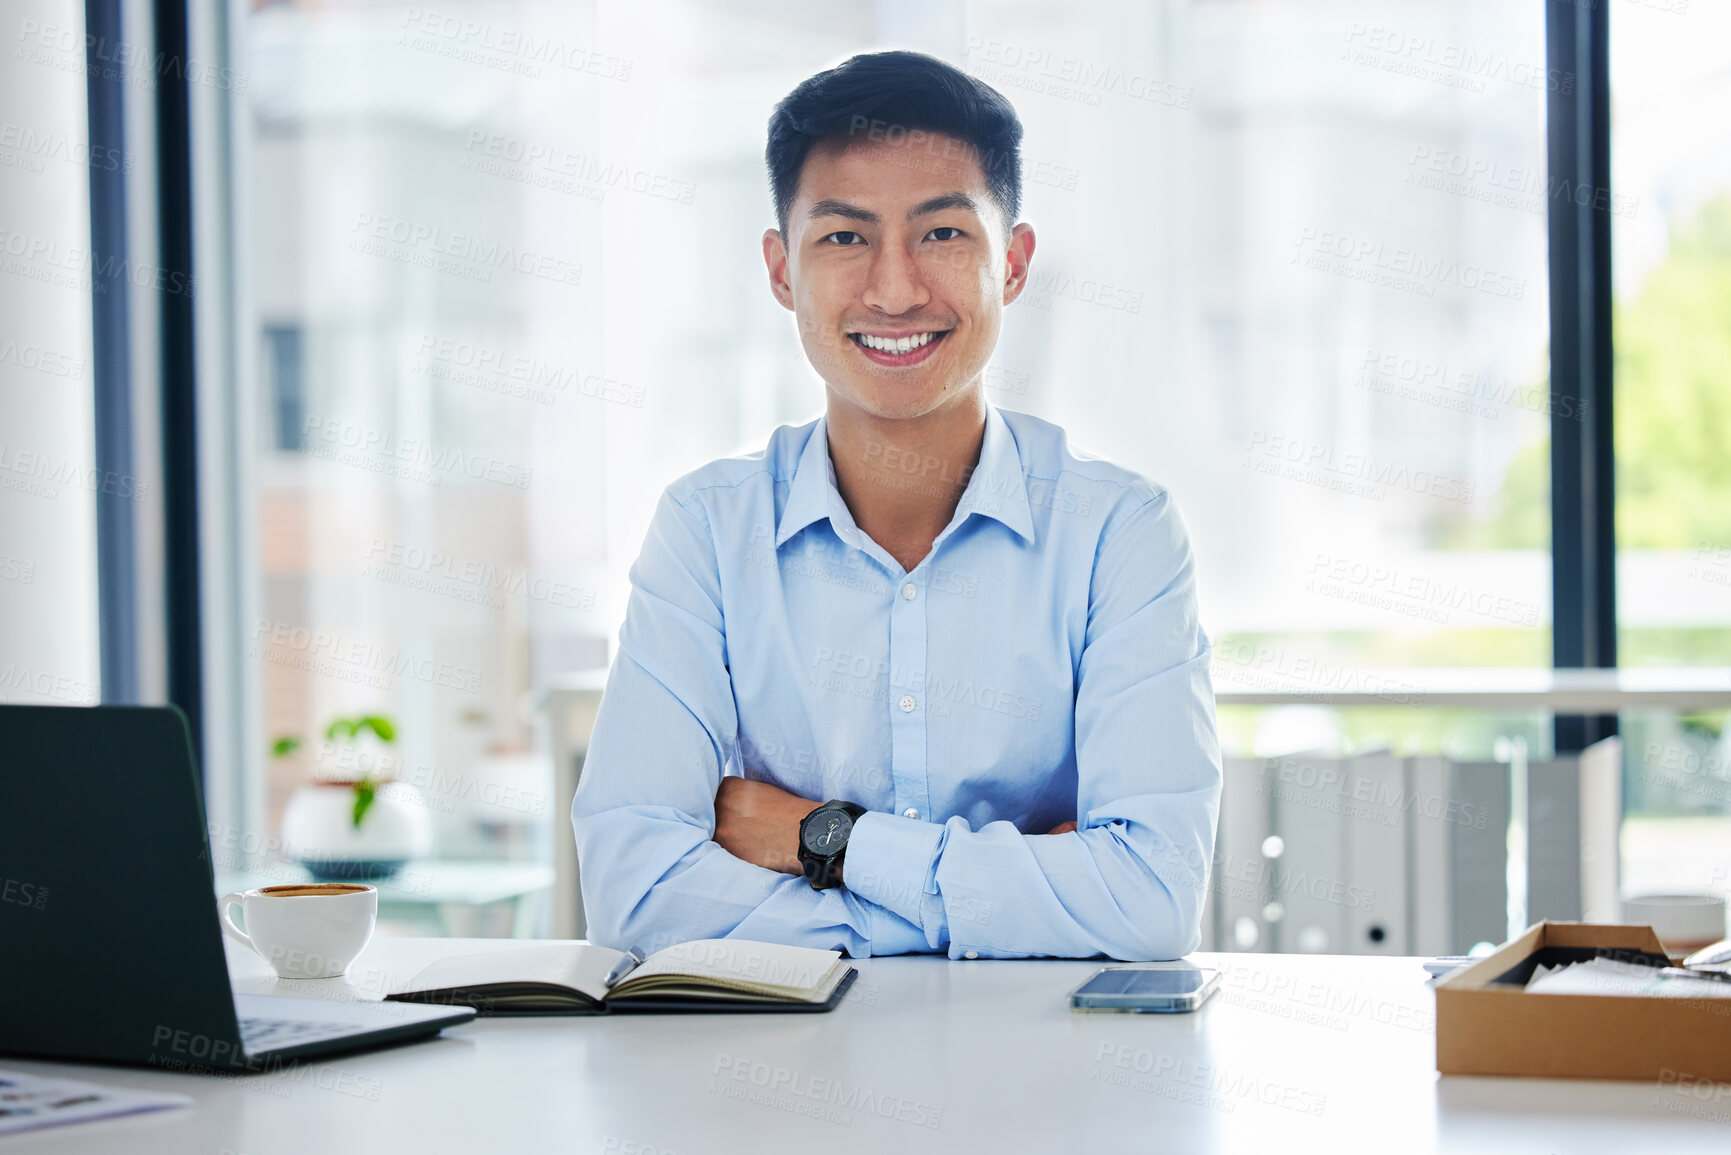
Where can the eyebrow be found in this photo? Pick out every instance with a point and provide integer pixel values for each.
(951, 200)
(833, 208)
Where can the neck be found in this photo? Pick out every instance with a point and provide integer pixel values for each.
(902, 478)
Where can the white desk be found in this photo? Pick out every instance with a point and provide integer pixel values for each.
(1295, 1054)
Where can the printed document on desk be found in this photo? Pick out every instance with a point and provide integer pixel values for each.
(28, 1102)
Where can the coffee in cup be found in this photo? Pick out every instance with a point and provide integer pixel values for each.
(305, 931)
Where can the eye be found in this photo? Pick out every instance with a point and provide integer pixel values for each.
(952, 233)
(844, 238)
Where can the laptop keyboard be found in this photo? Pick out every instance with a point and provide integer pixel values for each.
(258, 1035)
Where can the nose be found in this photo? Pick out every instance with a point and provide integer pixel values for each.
(894, 285)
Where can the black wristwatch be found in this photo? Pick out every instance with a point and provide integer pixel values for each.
(823, 838)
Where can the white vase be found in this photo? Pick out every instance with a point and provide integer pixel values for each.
(319, 831)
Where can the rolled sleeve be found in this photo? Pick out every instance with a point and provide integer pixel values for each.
(892, 861)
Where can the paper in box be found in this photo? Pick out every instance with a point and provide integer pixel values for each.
(1487, 1027)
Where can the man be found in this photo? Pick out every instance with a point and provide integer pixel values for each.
(917, 677)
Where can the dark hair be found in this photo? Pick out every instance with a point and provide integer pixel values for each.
(896, 96)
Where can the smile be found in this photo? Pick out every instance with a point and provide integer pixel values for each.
(904, 350)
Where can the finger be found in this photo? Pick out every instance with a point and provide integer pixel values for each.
(1063, 828)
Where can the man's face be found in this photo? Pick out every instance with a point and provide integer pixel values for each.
(898, 265)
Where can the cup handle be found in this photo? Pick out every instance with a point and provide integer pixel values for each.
(223, 905)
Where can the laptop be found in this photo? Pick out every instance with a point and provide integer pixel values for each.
(112, 950)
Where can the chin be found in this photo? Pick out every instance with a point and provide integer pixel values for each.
(898, 405)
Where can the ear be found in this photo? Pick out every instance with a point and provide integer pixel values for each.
(775, 260)
(1018, 255)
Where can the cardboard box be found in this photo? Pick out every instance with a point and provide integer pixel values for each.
(1486, 1024)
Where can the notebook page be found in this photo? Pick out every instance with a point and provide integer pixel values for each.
(580, 966)
(672, 986)
(741, 965)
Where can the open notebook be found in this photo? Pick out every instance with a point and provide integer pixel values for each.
(569, 978)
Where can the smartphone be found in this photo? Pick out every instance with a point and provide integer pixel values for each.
(1163, 990)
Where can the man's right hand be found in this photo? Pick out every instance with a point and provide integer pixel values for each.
(1062, 828)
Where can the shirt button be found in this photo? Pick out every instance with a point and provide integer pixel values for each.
(970, 954)
(907, 703)
(910, 812)
(909, 592)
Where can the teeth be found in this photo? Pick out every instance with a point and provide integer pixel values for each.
(894, 344)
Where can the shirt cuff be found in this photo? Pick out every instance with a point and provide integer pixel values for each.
(892, 861)
(889, 932)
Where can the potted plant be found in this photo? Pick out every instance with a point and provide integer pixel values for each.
(354, 820)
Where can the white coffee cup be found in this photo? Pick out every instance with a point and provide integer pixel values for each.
(310, 931)
(1683, 922)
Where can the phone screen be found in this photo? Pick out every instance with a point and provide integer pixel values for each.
(1169, 982)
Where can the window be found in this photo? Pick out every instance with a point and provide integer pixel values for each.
(286, 386)
(1292, 264)
(1671, 234)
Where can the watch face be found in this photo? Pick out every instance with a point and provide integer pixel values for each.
(826, 832)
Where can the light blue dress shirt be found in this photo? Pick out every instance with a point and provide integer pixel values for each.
(1043, 663)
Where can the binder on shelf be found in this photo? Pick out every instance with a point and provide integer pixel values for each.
(1430, 882)
(1309, 879)
(1238, 889)
(1376, 803)
(1554, 840)
(1601, 779)
(1478, 836)
(1457, 853)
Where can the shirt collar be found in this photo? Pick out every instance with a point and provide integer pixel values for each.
(998, 487)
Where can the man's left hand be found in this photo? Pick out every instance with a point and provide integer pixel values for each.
(760, 823)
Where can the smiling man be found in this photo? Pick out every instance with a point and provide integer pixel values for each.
(918, 676)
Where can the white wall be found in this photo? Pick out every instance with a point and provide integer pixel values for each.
(48, 611)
